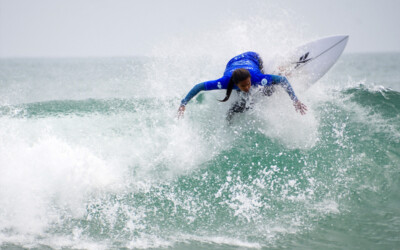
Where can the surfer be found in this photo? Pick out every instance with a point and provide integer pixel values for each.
(244, 73)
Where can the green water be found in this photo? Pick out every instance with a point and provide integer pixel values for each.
(117, 173)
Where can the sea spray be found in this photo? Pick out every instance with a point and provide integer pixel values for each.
(103, 162)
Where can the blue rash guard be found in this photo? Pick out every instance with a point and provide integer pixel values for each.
(250, 61)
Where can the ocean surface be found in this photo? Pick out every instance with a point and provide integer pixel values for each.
(93, 157)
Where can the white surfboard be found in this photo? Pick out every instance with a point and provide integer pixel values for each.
(309, 62)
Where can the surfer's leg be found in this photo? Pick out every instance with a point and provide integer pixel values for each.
(237, 107)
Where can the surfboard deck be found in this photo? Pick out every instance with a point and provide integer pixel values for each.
(309, 62)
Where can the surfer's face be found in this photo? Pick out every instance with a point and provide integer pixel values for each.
(244, 85)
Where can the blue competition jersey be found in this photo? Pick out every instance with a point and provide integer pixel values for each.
(250, 61)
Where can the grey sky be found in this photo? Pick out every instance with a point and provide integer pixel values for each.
(57, 28)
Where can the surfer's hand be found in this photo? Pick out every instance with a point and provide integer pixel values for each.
(181, 111)
(299, 106)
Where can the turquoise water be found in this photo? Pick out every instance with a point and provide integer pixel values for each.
(93, 157)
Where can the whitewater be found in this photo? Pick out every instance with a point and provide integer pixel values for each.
(93, 157)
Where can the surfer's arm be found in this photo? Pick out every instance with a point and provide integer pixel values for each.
(220, 83)
(192, 93)
(282, 81)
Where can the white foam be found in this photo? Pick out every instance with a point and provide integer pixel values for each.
(280, 121)
(43, 175)
(221, 240)
(148, 241)
(327, 207)
(183, 61)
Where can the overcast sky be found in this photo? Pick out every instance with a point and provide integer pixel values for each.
(70, 28)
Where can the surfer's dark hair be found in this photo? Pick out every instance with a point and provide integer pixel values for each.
(237, 76)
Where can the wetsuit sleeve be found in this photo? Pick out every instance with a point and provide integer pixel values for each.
(282, 81)
(221, 83)
(193, 92)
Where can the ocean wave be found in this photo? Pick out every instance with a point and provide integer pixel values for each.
(60, 108)
(383, 100)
